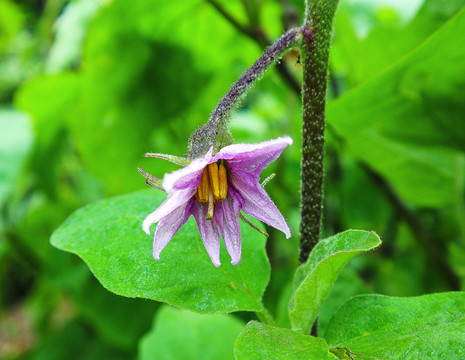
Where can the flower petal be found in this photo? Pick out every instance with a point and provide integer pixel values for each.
(258, 204)
(168, 226)
(208, 230)
(227, 216)
(187, 177)
(172, 202)
(253, 158)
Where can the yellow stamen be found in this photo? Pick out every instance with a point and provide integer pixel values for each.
(213, 187)
(202, 190)
(223, 182)
(213, 176)
(211, 205)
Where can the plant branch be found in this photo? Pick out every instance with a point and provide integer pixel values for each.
(230, 18)
(216, 132)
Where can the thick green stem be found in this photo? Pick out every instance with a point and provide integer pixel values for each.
(316, 32)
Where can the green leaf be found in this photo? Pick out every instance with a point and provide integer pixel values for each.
(182, 335)
(407, 123)
(151, 82)
(48, 117)
(131, 86)
(362, 57)
(347, 285)
(360, 189)
(15, 144)
(382, 327)
(108, 236)
(314, 279)
(50, 120)
(259, 341)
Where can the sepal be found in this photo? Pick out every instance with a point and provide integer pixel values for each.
(171, 158)
(151, 180)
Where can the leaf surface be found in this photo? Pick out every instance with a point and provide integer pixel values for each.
(407, 123)
(314, 280)
(259, 341)
(108, 236)
(382, 327)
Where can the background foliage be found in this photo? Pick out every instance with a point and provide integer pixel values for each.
(88, 86)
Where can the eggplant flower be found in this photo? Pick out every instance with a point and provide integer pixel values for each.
(214, 189)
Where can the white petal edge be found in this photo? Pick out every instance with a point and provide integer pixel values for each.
(168, 227)
(172, 202)
(230, 151)
(188, 176)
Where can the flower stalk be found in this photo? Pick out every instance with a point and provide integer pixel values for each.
(316, 37)
(216, 132)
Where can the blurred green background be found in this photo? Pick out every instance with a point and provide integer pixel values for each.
(88, 86)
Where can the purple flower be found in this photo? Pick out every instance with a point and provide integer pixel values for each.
(215, 188)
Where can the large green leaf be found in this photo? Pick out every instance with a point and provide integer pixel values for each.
(259, 341)
(61, 92)
(147, 85)
(314, 279)
(347, 285)
(407, 123)
(50, 120)
(108, 236)
(363, 57)
(382, 327)
(182, 335)
(128, 89)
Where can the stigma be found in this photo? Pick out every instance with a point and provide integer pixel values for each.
(213, 186)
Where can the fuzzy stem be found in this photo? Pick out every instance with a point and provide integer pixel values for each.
(241, 86)
(216, 133)
(316, 32)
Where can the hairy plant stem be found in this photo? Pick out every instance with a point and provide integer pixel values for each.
(316, 38)
(216, 132)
